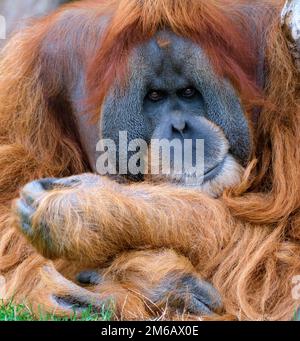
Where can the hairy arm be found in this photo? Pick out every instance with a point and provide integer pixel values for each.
(91, 218)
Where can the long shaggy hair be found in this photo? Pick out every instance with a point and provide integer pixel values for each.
(253, 259)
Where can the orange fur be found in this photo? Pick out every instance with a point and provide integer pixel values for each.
(246, 243)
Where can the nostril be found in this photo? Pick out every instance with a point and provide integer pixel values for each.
(179, 126)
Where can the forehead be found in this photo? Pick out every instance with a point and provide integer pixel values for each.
(167, 58)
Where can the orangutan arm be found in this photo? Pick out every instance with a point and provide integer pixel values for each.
(91, 218)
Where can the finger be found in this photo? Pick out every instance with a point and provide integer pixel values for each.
(25, 213)
(89, 277)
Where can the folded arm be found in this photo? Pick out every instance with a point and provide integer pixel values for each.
(91, 218)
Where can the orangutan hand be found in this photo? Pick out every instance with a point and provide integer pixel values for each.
(52, 212)
(181, 293)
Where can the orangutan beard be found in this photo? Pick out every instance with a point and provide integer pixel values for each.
(226, 175)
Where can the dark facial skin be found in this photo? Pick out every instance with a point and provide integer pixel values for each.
(173, 92)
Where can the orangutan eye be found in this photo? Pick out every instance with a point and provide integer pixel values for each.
(156, 95)
(188, 92)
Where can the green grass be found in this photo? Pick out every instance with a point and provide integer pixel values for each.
(21, 312)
